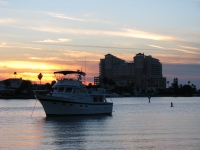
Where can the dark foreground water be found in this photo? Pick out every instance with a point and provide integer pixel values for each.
(135, 124)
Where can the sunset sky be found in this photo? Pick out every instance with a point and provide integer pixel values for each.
(51, 35)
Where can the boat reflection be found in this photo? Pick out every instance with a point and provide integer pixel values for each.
(73, 131)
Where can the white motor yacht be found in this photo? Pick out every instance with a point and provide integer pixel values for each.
(71, 97)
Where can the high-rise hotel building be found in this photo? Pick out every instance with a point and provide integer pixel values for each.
(116, 69)
(143, 72)
(148, 72)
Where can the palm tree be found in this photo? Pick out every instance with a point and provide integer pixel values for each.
(40, 77)
(105, 81)
(168, 83)
(111, 83)
(15, 73)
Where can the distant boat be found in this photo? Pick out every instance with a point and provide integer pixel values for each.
(71, 97)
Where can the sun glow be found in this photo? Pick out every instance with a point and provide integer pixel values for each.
(26, 65)
(30, 70)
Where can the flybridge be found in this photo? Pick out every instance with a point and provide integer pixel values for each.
(78, 74)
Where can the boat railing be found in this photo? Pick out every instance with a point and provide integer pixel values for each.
(97, 91)
(59, 78)
(66, 75)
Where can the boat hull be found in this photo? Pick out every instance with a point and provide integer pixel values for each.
(62, 107)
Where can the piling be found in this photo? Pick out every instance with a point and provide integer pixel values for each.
(149, 99)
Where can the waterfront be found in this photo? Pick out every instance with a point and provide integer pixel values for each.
(134, 124)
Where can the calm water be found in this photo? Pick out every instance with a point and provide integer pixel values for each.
(135, 124)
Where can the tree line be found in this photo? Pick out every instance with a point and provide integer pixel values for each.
(174, 90)
(112, 87)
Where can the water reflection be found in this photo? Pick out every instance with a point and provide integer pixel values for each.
(72, 132)
(135, 124)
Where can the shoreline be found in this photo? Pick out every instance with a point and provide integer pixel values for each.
(33, 97)
(17, 97)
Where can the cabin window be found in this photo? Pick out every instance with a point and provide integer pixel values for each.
(68, 90)
(76, 91)
(82, 91)
(100, 99)
(60, 89)
(55, 89)
(94, 99)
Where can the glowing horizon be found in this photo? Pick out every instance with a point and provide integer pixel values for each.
(64, 35)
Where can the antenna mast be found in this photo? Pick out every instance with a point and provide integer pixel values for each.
(85, 70)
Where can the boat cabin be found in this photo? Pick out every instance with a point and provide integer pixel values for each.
(73, 88)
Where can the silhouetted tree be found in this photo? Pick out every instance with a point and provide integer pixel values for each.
(25, 85)
(53, 82)
(187, 90)
(89, 85)
(131, 87)
(15, 73)
(47, 86)
(150, 92)
(105, 81)
(111, 83)
(40, 77)
(168, 83)
(137, 89)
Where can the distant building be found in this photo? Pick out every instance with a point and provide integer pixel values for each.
(96, 80)
(116, 69)
(175, 83)
(143, 72)
(148, 72)
(14, 82)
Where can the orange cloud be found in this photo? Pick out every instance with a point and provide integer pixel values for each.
(188, 47)
(4, 45)
(146, 35)
(28, 65)
(122, 33)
